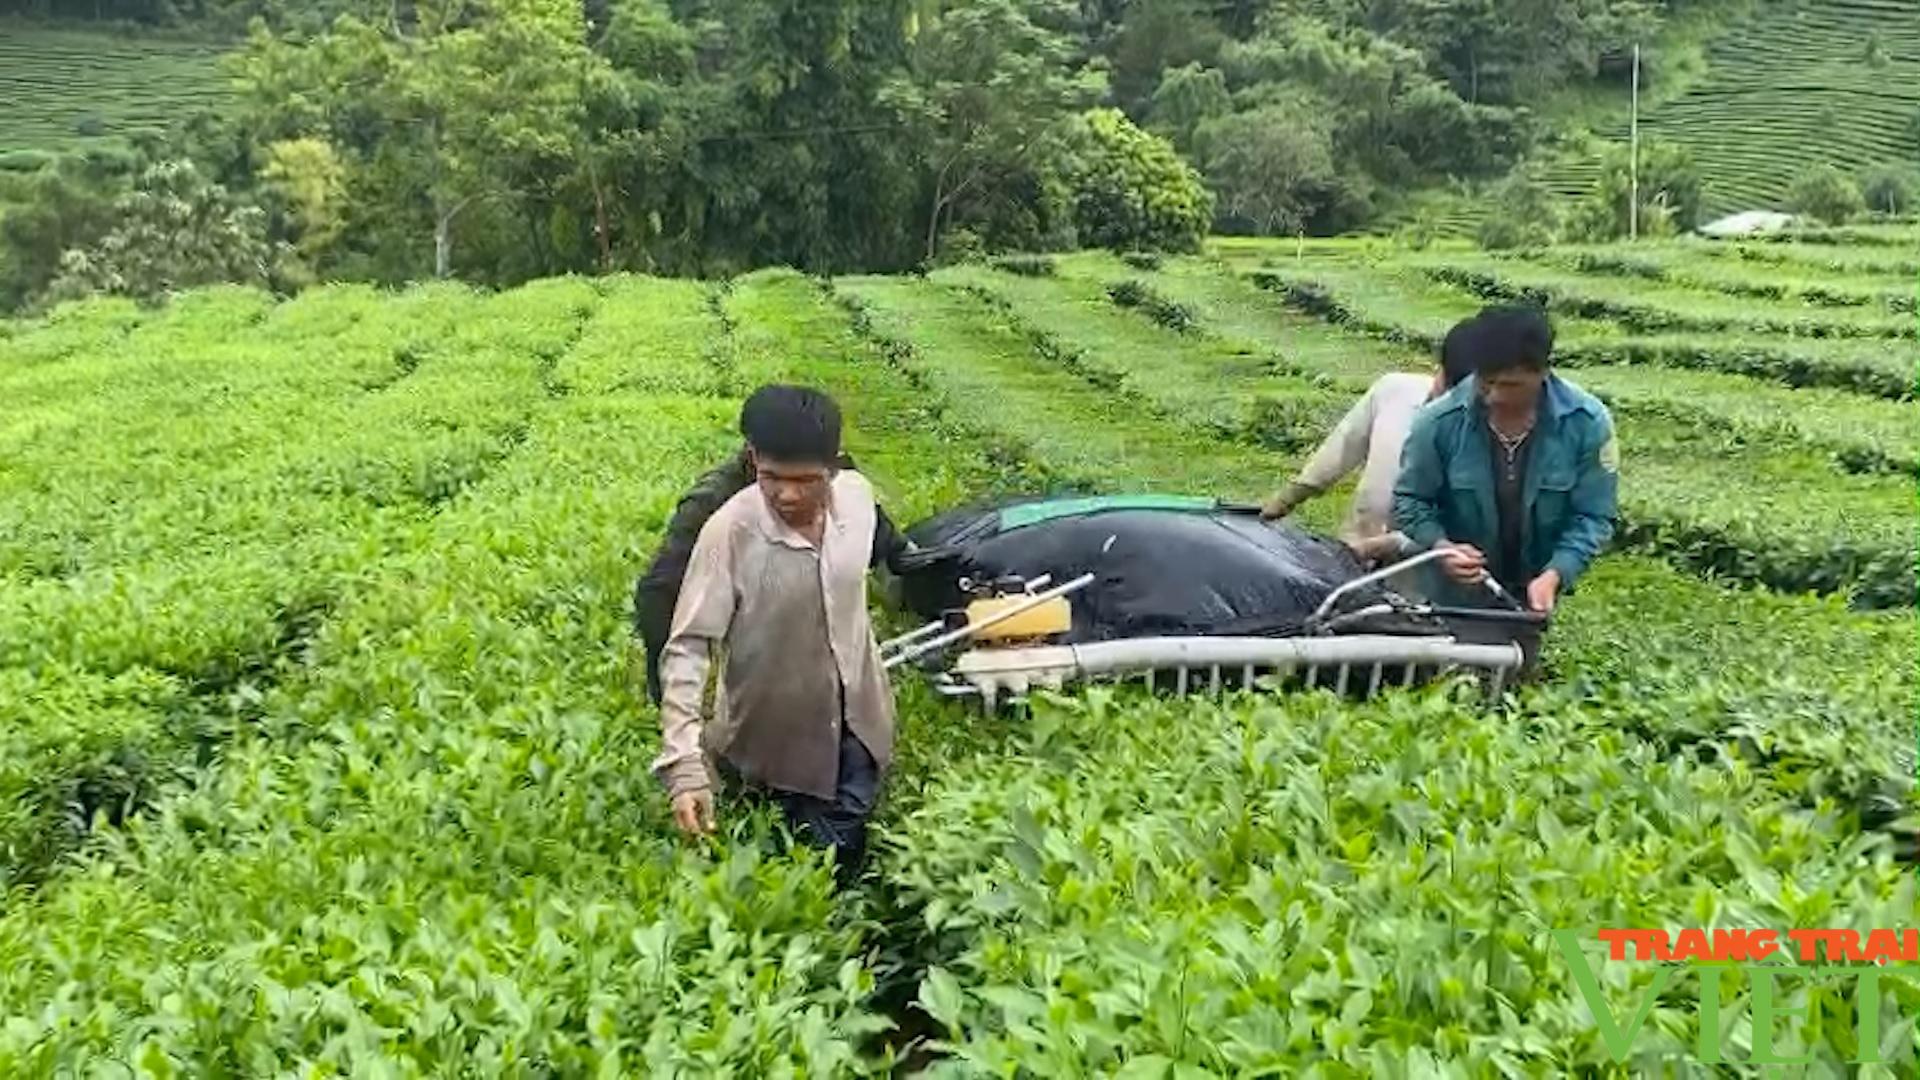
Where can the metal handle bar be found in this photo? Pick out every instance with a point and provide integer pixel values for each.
(1388, 571)
(1367, 579)
(1537, 618)
(915, 651)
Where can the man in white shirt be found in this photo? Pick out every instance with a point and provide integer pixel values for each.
(1369, 437)
(775, 590)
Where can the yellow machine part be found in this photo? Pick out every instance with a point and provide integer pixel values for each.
(1053, 617)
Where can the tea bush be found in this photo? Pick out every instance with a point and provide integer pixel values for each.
(321, 752)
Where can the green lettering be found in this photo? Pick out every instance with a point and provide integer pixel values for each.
(1709, 1048)
(1763, 1015)
(1867, 1030)
(1619, 1043)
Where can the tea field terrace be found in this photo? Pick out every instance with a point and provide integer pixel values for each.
(324, 747)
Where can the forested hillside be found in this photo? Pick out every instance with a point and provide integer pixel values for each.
(500, 140)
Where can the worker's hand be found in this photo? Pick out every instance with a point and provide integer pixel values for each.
(693, 812)
(1543, 591)
(1284, 503)
(1376, 549)
(1464, 563)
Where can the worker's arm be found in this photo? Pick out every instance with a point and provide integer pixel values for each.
(1339, 454)
(700, 621)
(1417, 490)
(1345, 449)
(1594, 502)
(889, 543)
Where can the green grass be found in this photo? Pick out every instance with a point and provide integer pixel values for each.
(67, 88)
(1219, 385)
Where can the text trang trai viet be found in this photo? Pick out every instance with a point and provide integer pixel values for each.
(1773, 964)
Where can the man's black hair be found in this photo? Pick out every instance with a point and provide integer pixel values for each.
(793, 424)
(1460, 352)
(1510, 336)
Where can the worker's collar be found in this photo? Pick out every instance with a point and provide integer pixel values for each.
(776, 530)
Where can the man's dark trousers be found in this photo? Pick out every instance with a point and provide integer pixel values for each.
(839, 823)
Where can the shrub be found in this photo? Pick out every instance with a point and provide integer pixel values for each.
(175, 230)
(1826, 194)
(1669, 195)
(1025, 265)
(959, 246)
(1891, 190)
(1137, 294)
(1130, 189)
(24, 161)
(1521, 216)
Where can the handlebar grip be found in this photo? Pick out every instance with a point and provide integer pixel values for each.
(1534, 618)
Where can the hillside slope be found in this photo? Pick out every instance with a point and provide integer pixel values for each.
(1792, 86)
(65, 88)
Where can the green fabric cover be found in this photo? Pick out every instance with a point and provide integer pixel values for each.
(1014, 517)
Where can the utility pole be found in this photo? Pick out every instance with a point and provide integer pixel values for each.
(1633, 167)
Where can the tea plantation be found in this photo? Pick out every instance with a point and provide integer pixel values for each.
(1788, 86)
(66, 88)
(322, 752)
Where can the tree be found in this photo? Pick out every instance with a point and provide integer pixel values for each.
(1669, 194)
(1520, 214)
(1824, 193)
(467, 102)
(1130, 189)
(996, 82)
(1392, 119)
(1153, 36)
(175, 230)
(1891, 190)
(51, 211)
(1272, 166)
(806, 148)
(1186, 98)
(309, 179)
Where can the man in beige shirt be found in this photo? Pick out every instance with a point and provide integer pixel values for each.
(777, 585)
(1370, 437)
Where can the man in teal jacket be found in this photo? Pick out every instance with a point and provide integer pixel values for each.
(1515, 472)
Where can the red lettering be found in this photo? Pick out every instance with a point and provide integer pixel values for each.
(1617, 942)
(1909, 947)
(1882, 947)
(1742, 944)
(1660, 950)
(1808, 940)
(1692, 945)
(1844, 945)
